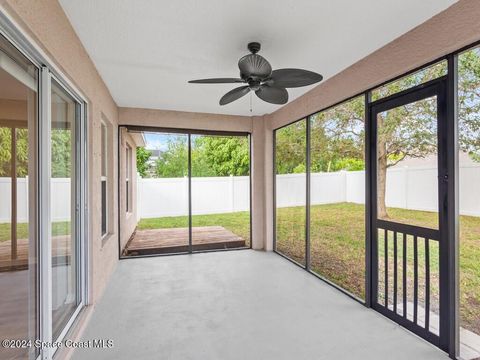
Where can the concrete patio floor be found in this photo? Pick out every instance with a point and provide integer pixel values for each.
(238, 305)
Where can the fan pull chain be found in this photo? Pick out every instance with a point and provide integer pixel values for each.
(250, 101)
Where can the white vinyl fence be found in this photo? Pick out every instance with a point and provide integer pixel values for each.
(210, 195)
(59, 197)
(408, 188)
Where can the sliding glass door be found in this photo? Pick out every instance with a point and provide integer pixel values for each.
(42, 197)
(19, 276)
(64, 207)
(193, 191)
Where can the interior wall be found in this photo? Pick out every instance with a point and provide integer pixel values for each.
(13, 110)
(448, 31)
(45, 23)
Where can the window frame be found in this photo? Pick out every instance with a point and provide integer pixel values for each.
(128, 178)
(104, 179)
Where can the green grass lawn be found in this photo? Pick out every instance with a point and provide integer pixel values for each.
(58, 228)
(338, 250)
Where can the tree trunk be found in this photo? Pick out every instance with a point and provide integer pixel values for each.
(381, 178)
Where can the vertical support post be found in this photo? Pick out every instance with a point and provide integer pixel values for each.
(13, 170)
(274, 189)
(451, 217)
(368, 203)
(232, 193)
(307, 198)
(190, 241)
(44, 223)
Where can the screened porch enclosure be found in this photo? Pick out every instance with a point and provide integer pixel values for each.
(368, 192)
(193, 192)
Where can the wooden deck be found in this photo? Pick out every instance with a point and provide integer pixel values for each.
(161, 241)
(60, 249)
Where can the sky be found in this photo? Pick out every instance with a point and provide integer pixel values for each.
(159, 141)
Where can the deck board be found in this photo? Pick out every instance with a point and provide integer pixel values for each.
(160, 241)
(60, 250)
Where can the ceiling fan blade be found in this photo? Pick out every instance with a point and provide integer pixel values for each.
(273, 95)
(234, 94)
(217, 81)
(291, 78)
(253, 65)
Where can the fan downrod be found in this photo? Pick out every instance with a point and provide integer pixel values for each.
(254, 47)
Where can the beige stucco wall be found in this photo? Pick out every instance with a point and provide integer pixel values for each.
(128, 220)
(183, 120)
(448, 31)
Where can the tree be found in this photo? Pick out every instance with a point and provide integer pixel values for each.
(173, 162)
(61, 153)
(21, 151)
(211, 156)
(143, 155)
(290, 147)
(223, 155)
(405, 131)
(469, 102)
(338, 137)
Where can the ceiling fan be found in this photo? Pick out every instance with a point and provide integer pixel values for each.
(256, 72)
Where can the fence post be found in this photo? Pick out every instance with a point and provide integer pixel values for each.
(137, 196)
(405, 185)
(232, 193)
(185, 195)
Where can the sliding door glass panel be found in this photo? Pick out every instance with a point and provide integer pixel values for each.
(162, 195)
(63, 208)
(290, 194)
(469, 201)
(337, 195)
(18, 241)
(220, 192)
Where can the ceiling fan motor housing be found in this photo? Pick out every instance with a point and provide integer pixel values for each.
(254, 47)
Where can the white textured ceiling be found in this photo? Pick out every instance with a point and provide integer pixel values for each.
(147, 50)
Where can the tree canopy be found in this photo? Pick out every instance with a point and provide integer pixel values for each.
(211, 156)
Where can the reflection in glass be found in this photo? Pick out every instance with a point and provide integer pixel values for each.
(18, 246)
(290, 186)
(65, 294)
